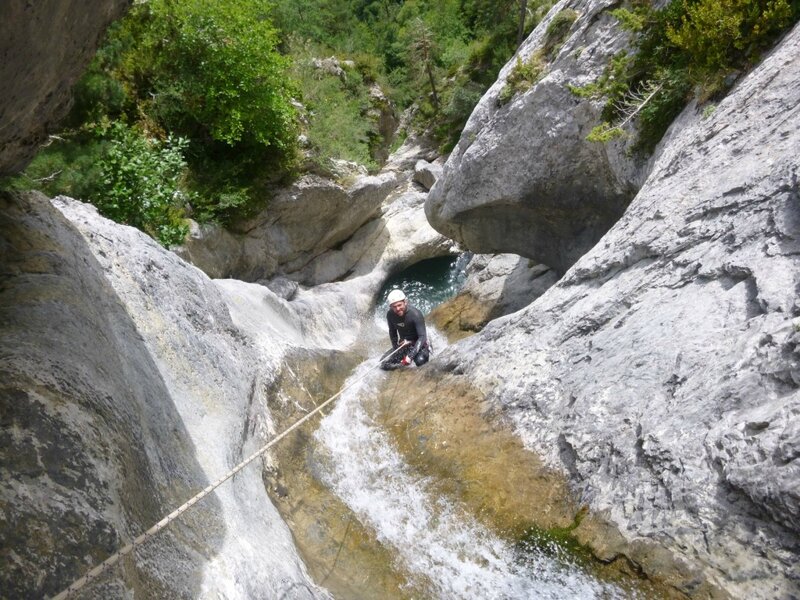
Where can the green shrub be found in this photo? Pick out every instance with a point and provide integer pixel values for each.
(613, 83)
(217, 66)
(657, 115)
(605, 132)
(206, 71)
(720, 35)
(65, 166)
(688, 48)
(631, 20)
(140, 184)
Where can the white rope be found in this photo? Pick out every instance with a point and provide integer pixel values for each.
(114, 558)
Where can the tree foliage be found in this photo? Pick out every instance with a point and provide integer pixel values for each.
(235, 81)
(210, 69)
(139, 184)
(337, 106)
(198, 83)
(438, 56)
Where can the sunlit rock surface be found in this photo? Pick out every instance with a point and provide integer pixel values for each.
(45, 47)
(301, 222)
(318, 231)
(662, 373)
(523, 178)
(181, 371)
(426, 173)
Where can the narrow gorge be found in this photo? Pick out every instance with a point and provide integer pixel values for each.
(612, 408)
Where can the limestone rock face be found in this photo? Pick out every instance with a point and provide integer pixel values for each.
(155, 380)
(127, 388)
(318, 231)
(496, 285)
(523, 179)
(45, 47)
(212, 249)
(426, 173)
(300, 223)
(399, 238)
(661, 373)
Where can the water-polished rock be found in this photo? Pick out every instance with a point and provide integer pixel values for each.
(167, 378)
(661, 372)
(301, 222)
(126, 389)
(523, 179)
(318, 231)
(496, 285)
(426, 173)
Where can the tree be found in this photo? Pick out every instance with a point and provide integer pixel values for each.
(210, 71)
(523, 12)
(423, 47)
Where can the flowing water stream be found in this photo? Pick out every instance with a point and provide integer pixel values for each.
(443, 550)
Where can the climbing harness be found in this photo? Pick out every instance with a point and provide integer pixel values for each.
(114, 558)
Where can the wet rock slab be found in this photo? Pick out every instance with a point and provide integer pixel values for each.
(449, 434)
(340, 552)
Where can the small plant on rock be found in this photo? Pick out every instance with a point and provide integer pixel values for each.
(522, 77)
(557, 30)
(688, 49)
(526, 73)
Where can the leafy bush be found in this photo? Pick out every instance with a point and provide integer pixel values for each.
(722, 35)
(213, 70)
(204, 71)
(140, 184)
(66, 167)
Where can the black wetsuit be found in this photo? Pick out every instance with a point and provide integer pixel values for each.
(410, 327)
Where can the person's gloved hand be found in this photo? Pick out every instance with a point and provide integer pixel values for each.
(406, 361)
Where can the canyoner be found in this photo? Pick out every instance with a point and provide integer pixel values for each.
(407, 334)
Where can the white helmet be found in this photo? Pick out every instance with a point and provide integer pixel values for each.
(395, 296)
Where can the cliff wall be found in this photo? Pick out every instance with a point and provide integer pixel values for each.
(662, 372)
(126, 389)
(44, 48)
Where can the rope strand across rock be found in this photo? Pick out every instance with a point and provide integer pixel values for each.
(98, 570)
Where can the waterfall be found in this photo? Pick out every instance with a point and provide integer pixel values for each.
(443, 550)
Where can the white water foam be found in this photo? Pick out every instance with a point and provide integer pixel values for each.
(442, 548)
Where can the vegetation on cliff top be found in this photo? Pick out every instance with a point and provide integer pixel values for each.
(198, 107)
(244, 94)
(687, 49)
